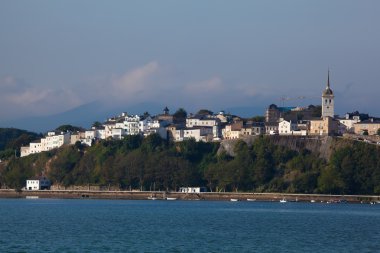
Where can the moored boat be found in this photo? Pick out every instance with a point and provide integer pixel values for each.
(31, 197)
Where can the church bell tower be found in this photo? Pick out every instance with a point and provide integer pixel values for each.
(328, 100)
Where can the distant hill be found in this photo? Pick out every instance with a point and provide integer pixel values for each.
(11, 139)
(82, 116)
(15, 138)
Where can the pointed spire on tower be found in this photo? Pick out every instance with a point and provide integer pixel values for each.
(328, 78)
(328, 90)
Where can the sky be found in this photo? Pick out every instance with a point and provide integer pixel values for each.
(56, 56)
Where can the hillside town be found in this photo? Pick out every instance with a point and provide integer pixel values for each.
(209, 127)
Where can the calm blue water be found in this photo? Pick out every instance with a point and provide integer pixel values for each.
(55, 225)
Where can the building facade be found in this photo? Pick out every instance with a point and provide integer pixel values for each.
(40, 183)
(325, 126)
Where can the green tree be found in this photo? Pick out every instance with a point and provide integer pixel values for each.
(180, 116)
(329, 182)
(83, 172)
(316, 110)
(204, 112)
(152, 143)
(14, 138)
(136, 163)
(97, 124)
(63, 164)
(69, 128)
(257, 118)
(16, 174)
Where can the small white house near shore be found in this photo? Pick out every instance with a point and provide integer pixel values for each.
(192, 189)
(40, 183)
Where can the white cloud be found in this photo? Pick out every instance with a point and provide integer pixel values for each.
(213, 85)
(149, 83)
(19, 99)
(136, 83)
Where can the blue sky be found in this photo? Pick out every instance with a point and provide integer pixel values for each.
(58, 55)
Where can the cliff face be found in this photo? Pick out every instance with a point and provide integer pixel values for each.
(323, 146)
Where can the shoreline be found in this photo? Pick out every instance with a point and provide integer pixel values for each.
(211, 196)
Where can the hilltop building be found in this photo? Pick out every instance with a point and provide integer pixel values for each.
(324, 126)
(274, 113)
(51, 141)
(370, 126)
(350, 119)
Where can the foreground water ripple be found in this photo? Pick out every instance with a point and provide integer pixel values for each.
(54, 225)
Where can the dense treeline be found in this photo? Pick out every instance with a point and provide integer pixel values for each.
(154, 164)
(11, 139)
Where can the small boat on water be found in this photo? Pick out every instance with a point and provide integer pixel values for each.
(251, 199)
(152, 198)
(312, 201)
(234, 200)
(171, 198)
(31, 197)
(283, 201)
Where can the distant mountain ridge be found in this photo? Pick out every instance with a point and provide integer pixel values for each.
(86, 114)
(82, 116)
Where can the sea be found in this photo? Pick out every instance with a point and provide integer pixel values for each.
(89, 225)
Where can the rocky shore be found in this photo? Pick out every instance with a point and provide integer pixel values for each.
(213, 196)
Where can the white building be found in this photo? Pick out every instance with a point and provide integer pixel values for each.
(131, 125)
(108, 126)
(41, 183)
(25, 151)
(35, 147)
(149, 123)
(101, 133)
(50, 142)
(229, 133)
(199, 121)
(90, 134)
(76, 137)
(197, 133)
(54, 140)
(255, 128)
(233, 131)
(193, 189)
(159, 130)
(349, 121)
(223, 117)
(178, 134)
(271, 128)
(118, 133)
(286, 127)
